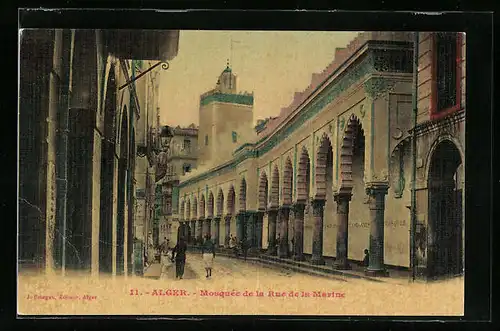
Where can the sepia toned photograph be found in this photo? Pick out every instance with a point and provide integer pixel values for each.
(233, 172)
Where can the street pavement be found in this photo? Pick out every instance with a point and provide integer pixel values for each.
(236, 287)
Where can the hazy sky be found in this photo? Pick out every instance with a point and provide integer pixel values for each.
(272, 64)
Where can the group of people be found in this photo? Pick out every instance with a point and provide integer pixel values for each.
(177, 254)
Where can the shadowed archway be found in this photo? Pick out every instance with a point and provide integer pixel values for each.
(287, 188)
(275, 187)
(263, 192)
(210, 206)
(220, 203)
(324, 167)
(303, 176)
(353, 144)
(445, 240)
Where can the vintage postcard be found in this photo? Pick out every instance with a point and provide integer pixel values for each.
(200, 172)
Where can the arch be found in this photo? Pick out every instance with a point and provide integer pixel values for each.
(243, 195)
(188, 209)
(210, 207)
(263, 191)
(111, 72)
(322, 162)
(220, 202)
(275, 187)
(230, 201)
(352, 135)
(287, 188)
(201, 209)
(182, 210)
(303, 176)
(435, 144)
(194, 213)
(445, 211)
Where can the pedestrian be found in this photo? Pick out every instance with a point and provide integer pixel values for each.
(232, 245)
(244, 247)
(292, 249)
(179, 255)
(208, 255)
(166, 262)
(366, 260)
(278, 244)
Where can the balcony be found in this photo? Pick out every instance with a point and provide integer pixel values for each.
(159, 45)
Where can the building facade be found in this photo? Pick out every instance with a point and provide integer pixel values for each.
(331, 176)
(182, 158)
(79, 131)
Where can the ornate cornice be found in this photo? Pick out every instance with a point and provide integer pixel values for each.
(241, 99)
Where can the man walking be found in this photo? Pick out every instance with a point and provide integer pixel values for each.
(208, 254)
(179, 255)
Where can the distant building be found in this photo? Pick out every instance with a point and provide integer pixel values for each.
(226, 118)
(182, 158)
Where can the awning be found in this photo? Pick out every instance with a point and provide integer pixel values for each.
(158, 45)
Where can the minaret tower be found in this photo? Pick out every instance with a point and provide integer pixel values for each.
(223, 112)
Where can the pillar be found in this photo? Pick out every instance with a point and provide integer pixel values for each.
(193, 232)
(250, 231)
(217, 229)
(377, 192)
(284, 215)
(199, 230)
(259, 221)
(298, 240)
(227, 230)
(342, 200)
(240, 226)
(186, 230)
(207, 228)
(272, 216)
(317, 249)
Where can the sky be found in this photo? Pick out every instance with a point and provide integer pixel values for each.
(272, 64)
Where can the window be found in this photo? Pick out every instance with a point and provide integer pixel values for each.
(447, 71)
(187, 145)
(206, 140)
(235, 136)
(186, 168)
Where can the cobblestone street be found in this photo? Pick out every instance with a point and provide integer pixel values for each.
(273, 291)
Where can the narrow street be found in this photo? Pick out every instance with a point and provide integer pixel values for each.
(236, 287)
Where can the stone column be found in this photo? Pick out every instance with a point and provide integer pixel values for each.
(217, 228)
(199, 230)
(250, 231)
(193, 231)
(377, 192)
(342, 200)
(259, 221)
(227, 228)
(240, 226)
(186, 231)
(317, 249)
(271, 216)
(283, 230)
(207, 224)
(298, 240)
